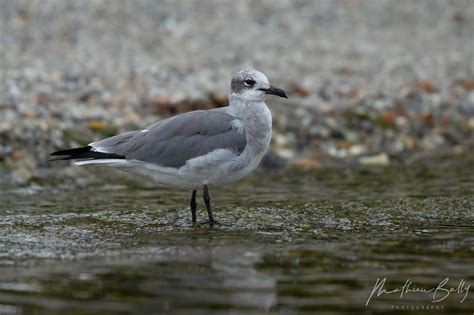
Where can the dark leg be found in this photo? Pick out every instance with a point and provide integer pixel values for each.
(193, 206)
(207, 201)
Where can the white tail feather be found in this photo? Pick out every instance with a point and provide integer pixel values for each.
(102, 161)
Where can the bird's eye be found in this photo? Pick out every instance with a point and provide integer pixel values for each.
(249, 82)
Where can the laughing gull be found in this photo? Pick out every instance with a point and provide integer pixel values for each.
(202, 148)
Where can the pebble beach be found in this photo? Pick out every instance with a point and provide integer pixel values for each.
(371, 83)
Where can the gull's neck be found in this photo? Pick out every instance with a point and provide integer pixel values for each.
(247, 109)
(257, 121)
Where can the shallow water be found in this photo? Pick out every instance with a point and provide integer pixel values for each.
(286, 242)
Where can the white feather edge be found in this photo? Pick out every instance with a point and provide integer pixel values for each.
(101, 161)
(98, 149)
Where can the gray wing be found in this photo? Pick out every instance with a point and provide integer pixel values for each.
(173, 141)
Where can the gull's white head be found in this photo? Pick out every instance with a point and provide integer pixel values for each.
(252, 85)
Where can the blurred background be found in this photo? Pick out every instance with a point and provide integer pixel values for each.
(370, 82)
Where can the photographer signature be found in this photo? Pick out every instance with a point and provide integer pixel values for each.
(439, 292)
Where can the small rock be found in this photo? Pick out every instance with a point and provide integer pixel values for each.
(285, 153)
(470, 123)
(387, 120)
(21, 176)
(16, 155)
(409, 143)
(357, 149)
(299, 90)
(219, 100)
(272, 161)
(381, 159)
(42, 99)
(426, 86)
(161, 105)
(97, 125)
(335, 152)
(467, 84)
(309, 163)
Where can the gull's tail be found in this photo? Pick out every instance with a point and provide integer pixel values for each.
(83, 153)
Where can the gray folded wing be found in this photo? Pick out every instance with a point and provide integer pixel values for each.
(173, 141)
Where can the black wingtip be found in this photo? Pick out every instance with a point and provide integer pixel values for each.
(83, 153)
(74, 151)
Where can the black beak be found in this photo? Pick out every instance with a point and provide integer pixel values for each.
(275, 91)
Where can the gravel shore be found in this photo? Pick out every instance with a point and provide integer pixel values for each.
(370, 82)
